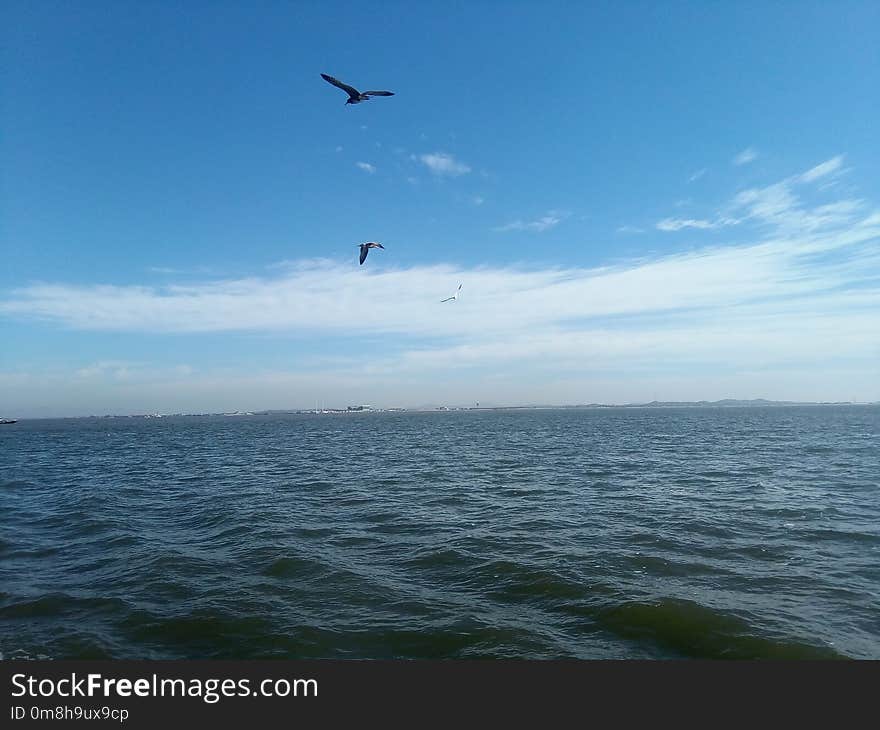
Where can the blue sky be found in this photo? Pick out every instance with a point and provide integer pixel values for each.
(641, 200)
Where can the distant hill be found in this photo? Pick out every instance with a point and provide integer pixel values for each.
(731, 402)
(724, 403)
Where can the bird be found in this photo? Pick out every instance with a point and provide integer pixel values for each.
(453, 298)
(365, 249)
(354, 96)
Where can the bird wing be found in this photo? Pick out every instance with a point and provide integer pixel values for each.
(448, 299)
(364, 252)
(378, 93)
(350, 90)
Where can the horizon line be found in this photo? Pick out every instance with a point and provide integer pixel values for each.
(722, 402)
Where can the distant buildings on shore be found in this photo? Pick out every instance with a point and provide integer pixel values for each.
(365, 408)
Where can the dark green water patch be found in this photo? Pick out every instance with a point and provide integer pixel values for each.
(693, 630)
(60, 604)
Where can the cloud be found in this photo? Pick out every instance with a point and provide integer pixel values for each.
(698, 174)
(118, 369)
(676, 224)
(478, 200)
(327, 297)
(301, 264)
(366, 167)
(797, 296)
(630, 229)
(746, 156)
(826, 168)
(442, 163)
(776, 205)
(170, 271)
(544, 223)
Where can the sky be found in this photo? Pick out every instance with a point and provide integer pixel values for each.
(641, 201)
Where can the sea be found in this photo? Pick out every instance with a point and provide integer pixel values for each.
(586, 533)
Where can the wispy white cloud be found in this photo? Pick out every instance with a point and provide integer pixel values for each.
(544, 223)
(173, 271)
(698, 174)
(748, 155)
(826, 168)
(776, 205)
(630, 229)
(366, 167)
(676, 224)
(779, 206)
(117, 369)
(302, 264)
(443, 163)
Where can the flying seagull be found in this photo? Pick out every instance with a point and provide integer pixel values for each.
(365, 249)
(453, 298)
(355, 96)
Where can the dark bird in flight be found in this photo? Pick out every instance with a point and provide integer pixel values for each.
(365, 249)
(453, 298)
(355, 96)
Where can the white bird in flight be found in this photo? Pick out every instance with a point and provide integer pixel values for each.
(454, 297)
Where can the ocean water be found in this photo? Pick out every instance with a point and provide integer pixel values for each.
(594, 533)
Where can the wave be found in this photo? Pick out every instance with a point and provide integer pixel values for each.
(693, 630)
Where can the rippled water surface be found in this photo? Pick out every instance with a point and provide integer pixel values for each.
(606, 533)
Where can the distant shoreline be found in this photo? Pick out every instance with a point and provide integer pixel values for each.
(725, 403)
